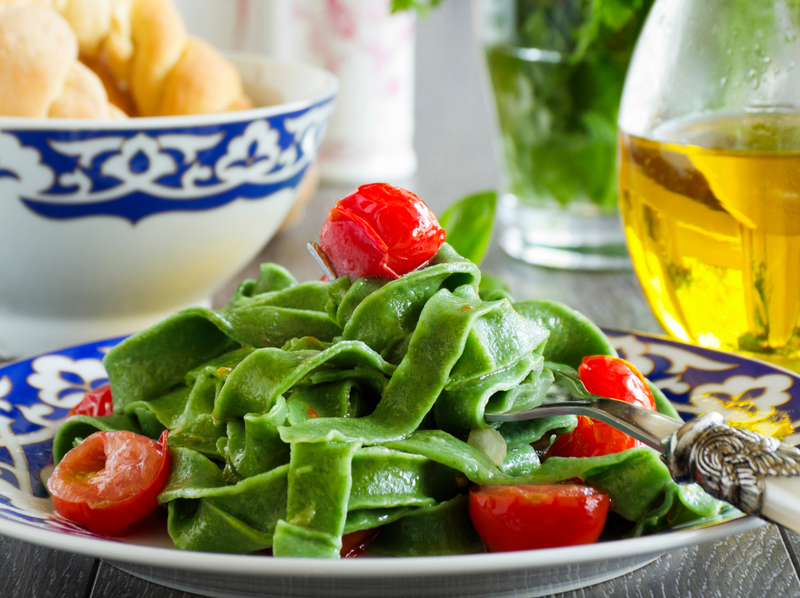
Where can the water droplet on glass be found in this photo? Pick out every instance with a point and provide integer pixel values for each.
(766, 59)
(723, 81)
(751, 73)
(729, 51)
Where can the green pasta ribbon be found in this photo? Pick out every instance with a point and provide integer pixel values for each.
(320, 480)
(301, 412)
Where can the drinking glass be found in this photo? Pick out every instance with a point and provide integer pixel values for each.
(709, 172)
(557, 69)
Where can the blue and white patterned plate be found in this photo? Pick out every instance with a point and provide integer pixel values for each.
(36, 394)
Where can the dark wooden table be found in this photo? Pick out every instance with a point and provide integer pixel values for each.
(454, 143)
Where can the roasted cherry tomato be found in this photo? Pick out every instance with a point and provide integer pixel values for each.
(608, 377)
(355, 543)
(380, 230)
(616, 378)
(95, 403)
(524, 517)
(110, 481)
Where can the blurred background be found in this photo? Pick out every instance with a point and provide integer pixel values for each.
(455, 139)
(452, 124)
(405, 78)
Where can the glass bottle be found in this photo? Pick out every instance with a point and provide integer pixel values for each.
(709, 172)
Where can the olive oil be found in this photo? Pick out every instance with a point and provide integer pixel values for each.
(711, 208)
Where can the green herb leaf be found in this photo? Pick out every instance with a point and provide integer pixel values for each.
(421, 6)
(558, 118)
(468, 224)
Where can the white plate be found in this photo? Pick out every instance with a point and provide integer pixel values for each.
(36, 394)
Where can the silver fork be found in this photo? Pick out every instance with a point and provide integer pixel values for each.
(752, 472)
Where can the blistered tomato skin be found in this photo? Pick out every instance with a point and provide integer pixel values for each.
(527, 517)
(96, 403)
(380, 230)
(608, 377)
(110, 481)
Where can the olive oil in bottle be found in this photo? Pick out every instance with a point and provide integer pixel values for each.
(712, 216)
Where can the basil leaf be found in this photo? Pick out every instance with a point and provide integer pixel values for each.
(422, 6)
(468, 224)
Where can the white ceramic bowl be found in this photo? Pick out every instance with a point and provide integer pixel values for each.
(108, 226)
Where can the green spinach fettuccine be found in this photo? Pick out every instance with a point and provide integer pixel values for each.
(301, 412)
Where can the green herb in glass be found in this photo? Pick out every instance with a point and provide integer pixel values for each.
(557, 68)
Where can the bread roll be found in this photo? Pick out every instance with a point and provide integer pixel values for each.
(83, 96)
(119, 97)
(40, 74)
(144, 44)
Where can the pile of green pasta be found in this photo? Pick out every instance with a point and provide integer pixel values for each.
(301, 412)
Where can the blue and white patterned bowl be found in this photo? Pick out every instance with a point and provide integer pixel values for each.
(108, 226)
(36, 394)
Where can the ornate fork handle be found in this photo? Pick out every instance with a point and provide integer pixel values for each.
(732, 464)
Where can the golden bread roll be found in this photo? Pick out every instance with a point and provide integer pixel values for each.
(83, 96)
(9, 3)
(144, 44)
(37, 50)
(89, 20)
(120, 98)
(159, 40)
(40, 74)
(187, 93)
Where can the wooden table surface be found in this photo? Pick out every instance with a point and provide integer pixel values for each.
(454, 145)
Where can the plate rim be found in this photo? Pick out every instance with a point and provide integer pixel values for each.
(480, 563)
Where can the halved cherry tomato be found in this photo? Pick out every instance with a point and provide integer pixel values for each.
(110, 481)
(95, 403)
(380, 230)
(608, 377)
(355, 543)
(524, 517)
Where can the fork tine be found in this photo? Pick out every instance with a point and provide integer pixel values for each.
(322, 261)
(568, 396)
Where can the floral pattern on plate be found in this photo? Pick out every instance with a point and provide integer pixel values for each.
(750, 393)
(35, 397)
